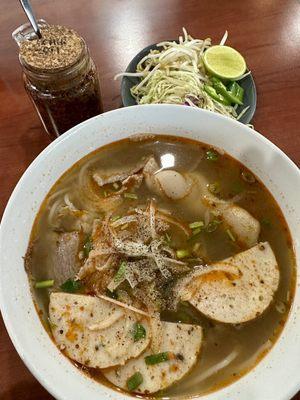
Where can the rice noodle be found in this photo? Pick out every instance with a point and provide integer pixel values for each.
(53, 210)
(128, 307)
(82, 172)
(90, 198)
(253, 359)
(218, 367)
(56, 194)
(69, 204)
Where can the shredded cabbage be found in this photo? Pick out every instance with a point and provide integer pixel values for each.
(175, 74)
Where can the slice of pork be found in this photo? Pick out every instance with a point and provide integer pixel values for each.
(65, 262)
(95, 332)
(117, 175)
(236, 298)
(182, 342)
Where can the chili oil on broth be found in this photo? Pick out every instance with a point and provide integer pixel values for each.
(251, 339)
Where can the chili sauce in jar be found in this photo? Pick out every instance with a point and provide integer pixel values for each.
(60, 77)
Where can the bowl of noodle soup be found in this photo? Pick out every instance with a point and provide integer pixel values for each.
(169, 231)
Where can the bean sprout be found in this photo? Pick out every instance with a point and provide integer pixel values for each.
(174, 73)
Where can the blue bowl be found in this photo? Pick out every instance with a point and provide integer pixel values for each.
(247, 84)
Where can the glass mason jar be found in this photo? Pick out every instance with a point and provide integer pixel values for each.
(62, 83)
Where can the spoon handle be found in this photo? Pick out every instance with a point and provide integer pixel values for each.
(28, 11)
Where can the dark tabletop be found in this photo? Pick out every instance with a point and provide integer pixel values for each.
(266, 32)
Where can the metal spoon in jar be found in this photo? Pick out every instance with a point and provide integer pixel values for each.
(28, 11)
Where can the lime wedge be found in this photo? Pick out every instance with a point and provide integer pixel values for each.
(224, 62)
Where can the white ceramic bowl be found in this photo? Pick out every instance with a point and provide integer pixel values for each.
(276, 377)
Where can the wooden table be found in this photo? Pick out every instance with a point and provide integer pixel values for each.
(267, 32)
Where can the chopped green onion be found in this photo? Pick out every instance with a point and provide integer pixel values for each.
(115, 218)
(196, 224)
(105, 193)
(168, 237)
(44, 284)
(112, 294)
(266, 222)
(116, 185)
(132, 196)
(182, 253)
(157, 358)
(71, 286)
(139, 332)
(88, 246)
(248, 177)
(211, 155)
(196, 231)
(237, 187)
(214, 187)
(196, 247)
(184, 318)
(134, 381)
(192, 260)
(119, 277)
(213, 225)
(123, 227)
(230, 234)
